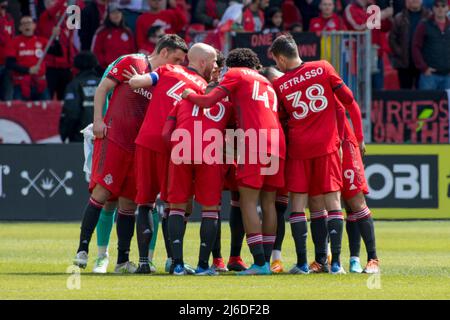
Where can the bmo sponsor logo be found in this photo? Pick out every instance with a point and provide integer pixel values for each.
(400, 181)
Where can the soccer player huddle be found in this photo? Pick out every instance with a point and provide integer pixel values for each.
(269, 136)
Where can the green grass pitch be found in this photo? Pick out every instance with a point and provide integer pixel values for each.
(34, 257)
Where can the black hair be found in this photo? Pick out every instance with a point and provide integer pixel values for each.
(243, 58)
(153, 30)
(85, 60)
(284, 45)
(108, 23)
(269, 72)
(269, 16)
(443, 2)
(295, 25)
(172, 42)
(211, 86)
(220, 59)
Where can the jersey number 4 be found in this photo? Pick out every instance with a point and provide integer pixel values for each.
(175, 91)
(264, 96)
(313, 99)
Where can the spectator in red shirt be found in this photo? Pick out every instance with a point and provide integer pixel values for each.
(22, 57)
(274, 20)
(328, 20)
(356, 18)
(6, 34)
(113, 39)
(60, 63)
(154, 34)
(172, 20)
(253, 16)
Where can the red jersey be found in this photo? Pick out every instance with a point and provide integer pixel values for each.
(256, 107)
(356, 17)
(172, 21)
(126, 108)
(6, 34)
(111, 43)
(27, 51)
(333, 23)
(213, 120)
(307, 95)
(47, 21)
(172, 80)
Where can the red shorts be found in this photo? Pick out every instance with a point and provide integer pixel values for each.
(229, 174)
(151, 175)
(352, 171)
(252, 176)
(204, 181)
(314, 176)
(113, 168)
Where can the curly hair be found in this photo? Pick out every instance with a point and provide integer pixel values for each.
(243, 58)
(220, 59)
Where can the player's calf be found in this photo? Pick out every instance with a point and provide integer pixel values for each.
(144, 233)
(89, 222)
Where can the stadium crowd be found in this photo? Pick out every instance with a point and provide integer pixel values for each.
(413, 38)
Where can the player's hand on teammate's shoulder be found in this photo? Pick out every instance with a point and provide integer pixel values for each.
(186, 93)
(99, 129)
(128, 74)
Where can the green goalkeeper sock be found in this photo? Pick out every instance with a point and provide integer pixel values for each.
(155, 216)
(104, 227)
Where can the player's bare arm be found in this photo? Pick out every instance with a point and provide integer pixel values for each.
(136, 80)
(204, 101)
(105, 86)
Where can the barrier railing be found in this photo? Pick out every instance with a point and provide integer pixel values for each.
(351, 54)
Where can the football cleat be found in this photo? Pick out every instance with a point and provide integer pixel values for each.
(256, 270)
(189, 269)
(276, 266)
(303, 269)
(167, 267)
(206, 272)
(316, 267)
(373, 266)
(126, 267)
(219, 265)
(152, 267)
(101, 264)
(355, 265)
(337, 269)
(236, 264)
(179, 270)
(81, 259)
(143, 268)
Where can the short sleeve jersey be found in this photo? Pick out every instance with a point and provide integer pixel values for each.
(256, 108)
(126, 107)
(307, 95)
(172, 81)
(205, 126)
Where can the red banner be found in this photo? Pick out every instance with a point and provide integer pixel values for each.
(30, 122)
